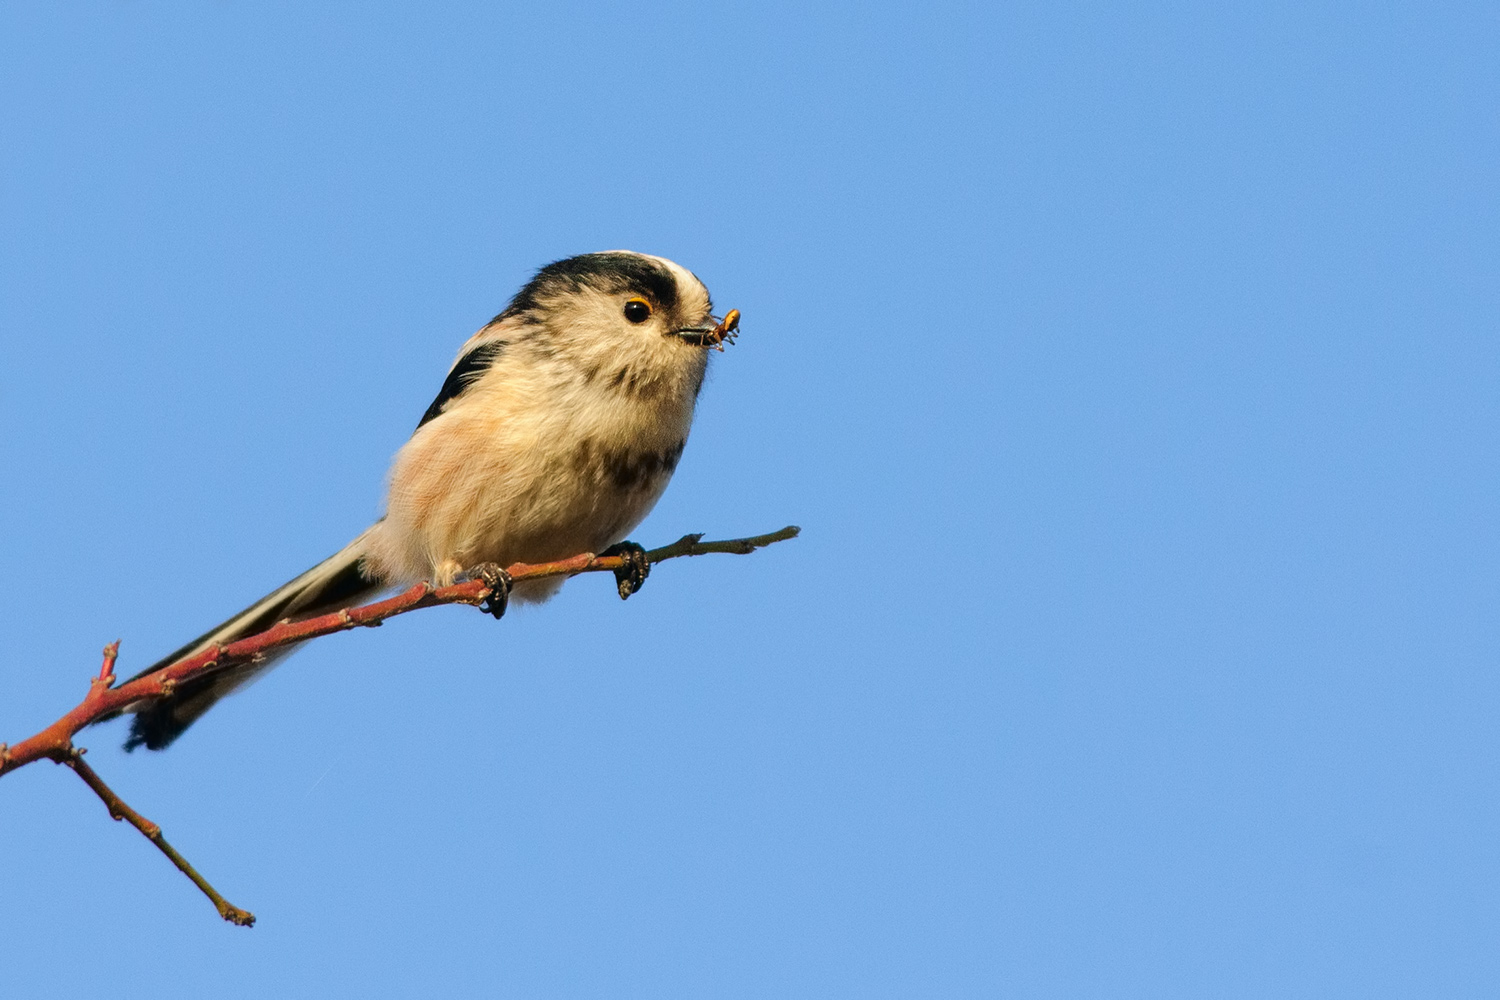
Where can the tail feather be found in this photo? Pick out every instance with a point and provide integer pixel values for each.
(334, 583)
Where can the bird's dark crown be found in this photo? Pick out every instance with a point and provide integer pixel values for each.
(611, 273)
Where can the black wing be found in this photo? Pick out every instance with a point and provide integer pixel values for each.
(464, 374)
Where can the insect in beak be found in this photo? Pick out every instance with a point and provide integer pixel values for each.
(716, 336)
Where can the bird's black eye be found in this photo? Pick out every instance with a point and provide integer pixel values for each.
(637, 310)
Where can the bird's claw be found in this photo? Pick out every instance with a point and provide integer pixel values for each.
(629, 577)
(499, 583)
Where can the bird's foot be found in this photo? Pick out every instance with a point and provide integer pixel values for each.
(498, 581)
(630, 576)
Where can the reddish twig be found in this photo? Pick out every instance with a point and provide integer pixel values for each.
(104, 700)
(118, 810)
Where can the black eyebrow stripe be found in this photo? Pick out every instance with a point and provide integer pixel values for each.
(466, 371)
(611, 273)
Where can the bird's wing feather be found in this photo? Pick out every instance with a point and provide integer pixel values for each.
(465, 371)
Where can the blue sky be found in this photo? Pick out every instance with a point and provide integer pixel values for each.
(1132, 372)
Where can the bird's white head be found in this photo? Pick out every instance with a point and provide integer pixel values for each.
(621, 310)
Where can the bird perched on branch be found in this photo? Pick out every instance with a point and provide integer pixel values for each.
(554, 433)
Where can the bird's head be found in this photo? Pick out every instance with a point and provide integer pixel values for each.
(622, 307)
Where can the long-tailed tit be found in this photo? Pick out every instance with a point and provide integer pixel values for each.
(554, 433)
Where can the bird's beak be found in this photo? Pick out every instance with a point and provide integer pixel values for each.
(722, 332)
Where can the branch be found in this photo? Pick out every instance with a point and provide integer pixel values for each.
(104, 700)
(118, 810)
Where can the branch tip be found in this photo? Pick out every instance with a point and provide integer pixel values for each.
(118, 810)
(107, 670)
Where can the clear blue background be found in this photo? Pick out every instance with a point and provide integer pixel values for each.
(1131, 370)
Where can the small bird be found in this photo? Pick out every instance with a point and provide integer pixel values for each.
(555, 433)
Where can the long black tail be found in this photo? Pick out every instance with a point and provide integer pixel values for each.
(334, 583)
